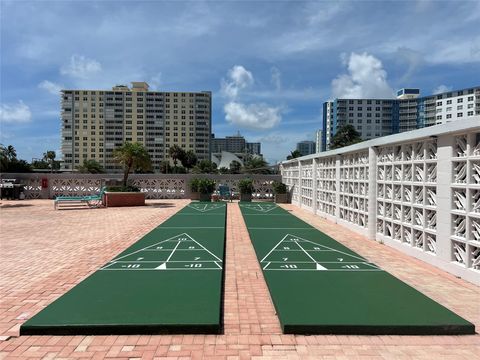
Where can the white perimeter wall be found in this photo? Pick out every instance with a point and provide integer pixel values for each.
(418, 192)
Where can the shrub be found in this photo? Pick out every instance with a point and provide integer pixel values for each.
(279, 188)
(246, 186)
(194, 185)
(206, 186)
(128, 188)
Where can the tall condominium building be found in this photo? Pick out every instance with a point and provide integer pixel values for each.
(95, 122)
(379, 117)
(306, 147)
(318, 141)
(235, 144)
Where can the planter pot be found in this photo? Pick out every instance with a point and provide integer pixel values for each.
(281, 198)
(114, 199)
(246, 197)
(194, 196)
(205, 197)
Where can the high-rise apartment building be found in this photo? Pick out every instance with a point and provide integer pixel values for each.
(235, 144)
(379, 117)
(95, 122)
(318, 141)
(306, 147)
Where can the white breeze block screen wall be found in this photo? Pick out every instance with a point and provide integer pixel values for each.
(418, 192)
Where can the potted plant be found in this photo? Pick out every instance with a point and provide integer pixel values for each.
(246, 189)
(205, 188)
(133, 156)
(280, 191)
(194, 193)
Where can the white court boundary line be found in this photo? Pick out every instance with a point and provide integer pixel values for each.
(206, 207)
(259, 207)
(362, 260)
(171, 239)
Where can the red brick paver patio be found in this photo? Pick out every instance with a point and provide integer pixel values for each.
(44, 253)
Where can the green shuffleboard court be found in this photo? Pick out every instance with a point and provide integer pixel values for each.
(319, 286)
(170, 281)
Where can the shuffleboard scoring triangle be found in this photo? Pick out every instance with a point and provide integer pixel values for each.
(259, 207)
(204, 207)
(162, 267)
(320, 267)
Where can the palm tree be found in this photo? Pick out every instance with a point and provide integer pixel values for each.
(345, 135)
(176, 153)
(189, 159)
(3, 158)
(10, 152)
(49, 156)
(294, 154)
(132, 156)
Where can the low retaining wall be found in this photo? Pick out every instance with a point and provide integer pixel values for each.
(116, 199)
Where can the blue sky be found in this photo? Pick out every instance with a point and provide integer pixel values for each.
(269, 64)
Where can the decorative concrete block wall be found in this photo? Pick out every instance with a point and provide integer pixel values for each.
(155, 186)
(418, 192)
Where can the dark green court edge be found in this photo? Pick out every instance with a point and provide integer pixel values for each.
(319, 286)
(168, 282)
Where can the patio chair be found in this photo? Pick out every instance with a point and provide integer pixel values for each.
(224, 192)
(92, 201)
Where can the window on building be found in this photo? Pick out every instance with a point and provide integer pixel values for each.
(470, 113)
(460, 114)
(449, 116)
(460, 100)
(449, 102)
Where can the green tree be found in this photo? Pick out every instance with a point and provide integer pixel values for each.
(132, 156)
(294, 154)
(49, 157)
(189, 159)
(235, 167)
(165, 167)
(9, 161)
(345, 135)
(40, 164)
(91, 167)
(10, 152)
(3, 158)
(205, 167)
(256, 165)
(176, 153)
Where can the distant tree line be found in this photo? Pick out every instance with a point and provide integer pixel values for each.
(135, 158)
(346, 135)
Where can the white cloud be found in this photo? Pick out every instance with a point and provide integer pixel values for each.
(51, 87)
(276, 78)
(321, 12)
(239, 78)
(18, 113)
(366, 78)
(441, 89)
(258, 116)
(155, 81)
(81, 67)
(252, 116)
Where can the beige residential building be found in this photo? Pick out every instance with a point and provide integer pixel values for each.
(94, 122)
